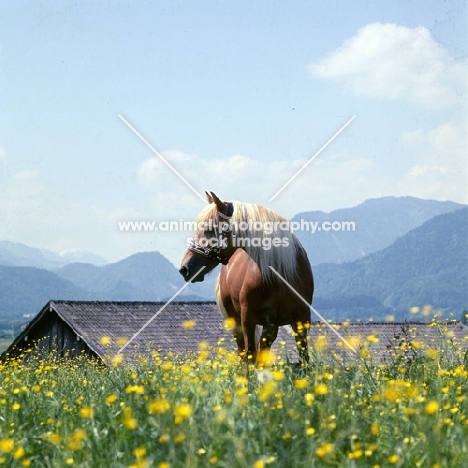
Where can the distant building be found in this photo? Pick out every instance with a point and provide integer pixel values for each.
(100, 329)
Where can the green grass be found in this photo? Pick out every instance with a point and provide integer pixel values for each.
(198, 410)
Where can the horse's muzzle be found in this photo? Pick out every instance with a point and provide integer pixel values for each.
(184, 271)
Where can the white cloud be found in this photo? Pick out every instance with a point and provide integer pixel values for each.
(2, 155)
(444, 145)
(194, 168)
(413, 137)
(26, 175)
(21, 203)
(434, 182)
(386, 61)
(25, 189)
(324, 184)
(440, 163)
(449, 138)
(32, 213)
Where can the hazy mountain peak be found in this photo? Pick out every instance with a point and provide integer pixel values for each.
(18, 254)
(82, 256)
(377, 223)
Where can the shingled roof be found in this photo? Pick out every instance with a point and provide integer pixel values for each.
(73, 327)
(88, 322)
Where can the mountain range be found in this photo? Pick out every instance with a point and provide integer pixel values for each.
(404, 252)
(427, 266)
(145, 276)
(17, 254)
(377, 224)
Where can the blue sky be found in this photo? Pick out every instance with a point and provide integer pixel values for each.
(237, 96)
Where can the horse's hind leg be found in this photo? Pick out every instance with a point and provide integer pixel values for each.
(301, 332)
(269, 334)
(244, 334)
(239, 337)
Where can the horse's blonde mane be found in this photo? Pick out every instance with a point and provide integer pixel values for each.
(283, 258)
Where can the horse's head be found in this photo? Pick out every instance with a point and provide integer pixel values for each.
(211, 244)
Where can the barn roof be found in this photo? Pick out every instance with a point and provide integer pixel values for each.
(91, 321)
(97, 323)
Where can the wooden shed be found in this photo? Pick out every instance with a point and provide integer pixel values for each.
(100, 329)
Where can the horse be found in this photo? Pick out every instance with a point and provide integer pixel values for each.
(248, 239)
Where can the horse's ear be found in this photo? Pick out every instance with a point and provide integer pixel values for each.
(222, 208)
(209, 197)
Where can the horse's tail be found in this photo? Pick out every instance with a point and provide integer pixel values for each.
(219, 302)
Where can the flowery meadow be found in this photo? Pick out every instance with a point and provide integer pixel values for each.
(200, 410)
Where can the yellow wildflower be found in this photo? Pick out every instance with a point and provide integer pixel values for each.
(86, 412)
(105, 340)
(265, 358)
(426, 310)
(321, 389)
(432, 408)
(110, 399)
(229, 324)
(18, 453)
(139, 452)
(321, 343)
(159, 406)
(79, 434)
(54, 438)
(164, 438)
(117, 359)
(138, 389)
(130, 423)
(121, 341)
(325, 449)
(266, 390)
(179, 438)
(390, 394)
(182, 411)
(76, 441)
(301, 383)
(278, 375)
(188, 324)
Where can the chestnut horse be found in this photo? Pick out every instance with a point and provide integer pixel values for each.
(248, 239)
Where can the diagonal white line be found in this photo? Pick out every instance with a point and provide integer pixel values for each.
(312, 158)
(161, 158)
(313, 310)
(160, 310)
